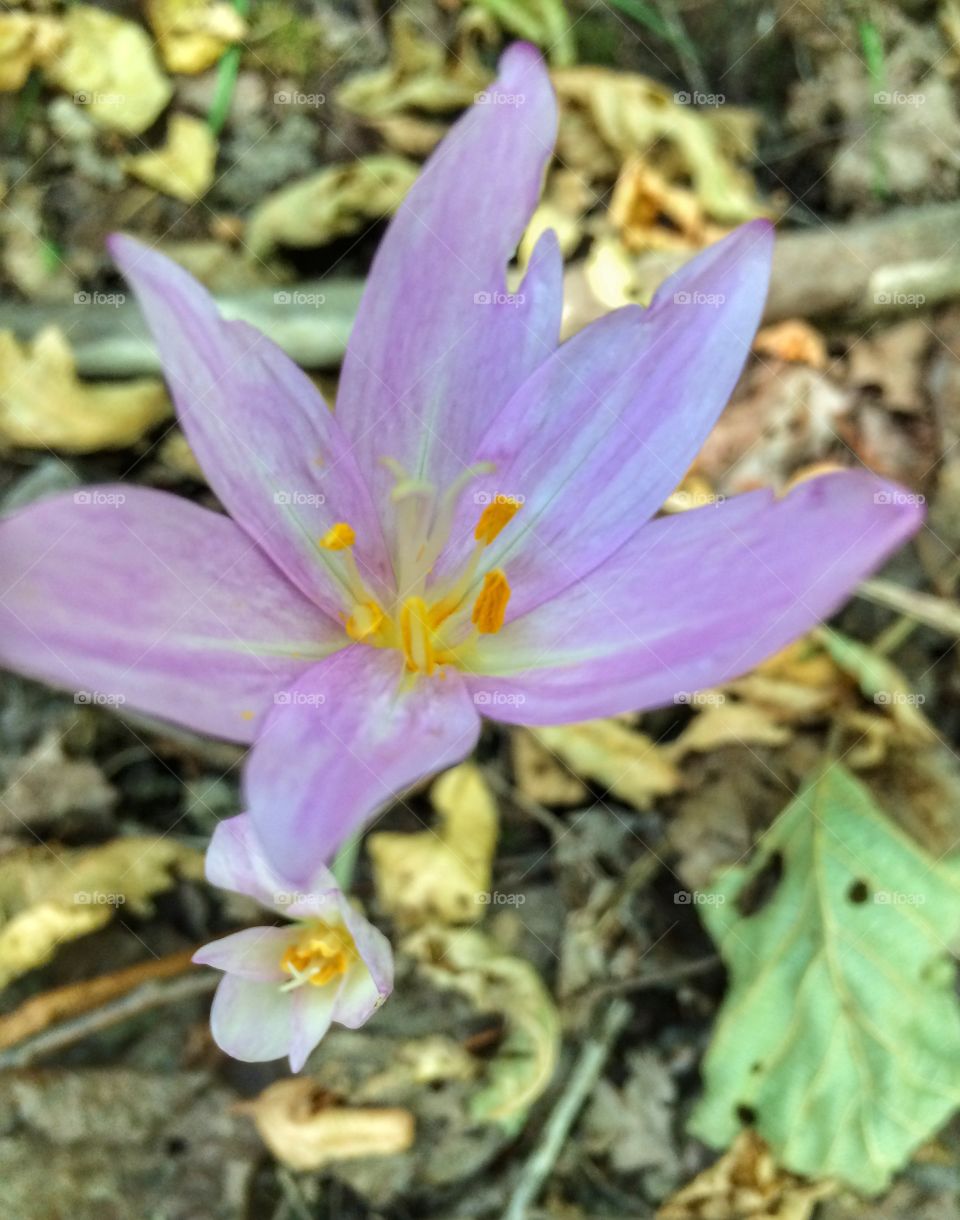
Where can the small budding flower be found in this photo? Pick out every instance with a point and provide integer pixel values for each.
(474, 527)
(284, 985)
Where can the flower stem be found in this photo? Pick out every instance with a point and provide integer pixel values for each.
(345, 862)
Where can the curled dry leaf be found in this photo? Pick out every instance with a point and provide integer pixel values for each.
(27, 41)
(540, 775)
(472, 963)
(336, 202)
(193, 34)
(624, 761)
(793, 341)
(442, 874)
(304, 1129)
(184, 166)
(49, 896)
(44, 405)
(109, 66)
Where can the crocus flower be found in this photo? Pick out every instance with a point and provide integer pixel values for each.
(472, 532)
(284, 985)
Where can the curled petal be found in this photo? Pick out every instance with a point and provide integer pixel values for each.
(253, 953)
(251, 1021)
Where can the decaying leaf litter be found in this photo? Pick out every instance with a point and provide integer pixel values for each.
(701, 865)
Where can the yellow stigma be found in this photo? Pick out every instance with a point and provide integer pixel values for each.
(416, 638)
(491, 603)
(495, 517)
(339, 537)
(321, 952)
(366, 620)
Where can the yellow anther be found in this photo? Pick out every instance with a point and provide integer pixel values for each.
(496, 516)
(322, 952)
(491, 603)
(339, 537)
(365, 621)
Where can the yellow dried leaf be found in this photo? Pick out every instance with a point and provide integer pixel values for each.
(540, 775)
(27, 41)
(193, 34)
(184, 166)
(109, 66)
(468, 961)
(43, 405)
(336, 202)
(619, 758)
(442, 874)
(303, 1130)
(48, 897)
(722, 722)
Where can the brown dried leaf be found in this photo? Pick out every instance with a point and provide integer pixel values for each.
(793, 341)
(722, 722)
(540, 775)
(183, 167)
(624, 761)
(303, 1129)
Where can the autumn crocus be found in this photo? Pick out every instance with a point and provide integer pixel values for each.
(471, 532)
(284, 985)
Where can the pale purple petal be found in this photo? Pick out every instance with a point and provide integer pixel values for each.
(140, 599)
(312, 1010)
(253, 953)
(602, 432)
(251, 1021)
(268, 444)
(694, 600)
(349, 737)
(361, 995)
(438, 345)
(235, 861)
(376, 958)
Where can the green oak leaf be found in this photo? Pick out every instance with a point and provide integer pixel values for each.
(839, 1039)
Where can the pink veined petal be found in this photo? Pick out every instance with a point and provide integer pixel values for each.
(251, 1021)
(270, 448)
(252, 953)
(312, 1011)
(348, 737)
(694, 600)
(439, 345)
(141, 599)
(360, 997)
(603, 431)
(236, 861)
(376, 954)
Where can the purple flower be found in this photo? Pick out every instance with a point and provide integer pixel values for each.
(469, 533)
(283, 986)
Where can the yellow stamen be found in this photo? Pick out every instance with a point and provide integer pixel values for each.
(491, 603)
(322, 952)
(339, 537)
(495, 517)
(415, 636)
(365, 621)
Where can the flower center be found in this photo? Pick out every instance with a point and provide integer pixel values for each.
(434, 627)
(320, 953)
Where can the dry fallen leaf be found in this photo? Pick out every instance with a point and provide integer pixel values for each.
(303, 1129)
(746, 1184)
(43, 404)
(184, 166)
(722, 722)
(193, 34)
(336, 202)
(48, 896)
(540, 775)
(27, 41)
(794, 341)
(615, 756)
(442, 874)
(643, 199)
(109, 66)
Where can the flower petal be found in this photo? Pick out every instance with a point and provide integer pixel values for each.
(347, 737)
(136, 597)
(253, 953)
(311, 1012)
(376, 962)
(438, 345)
(235, 861)
(602, 432)
(694, 600)
(251, 1021)
(270, 448)
(360, 996)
